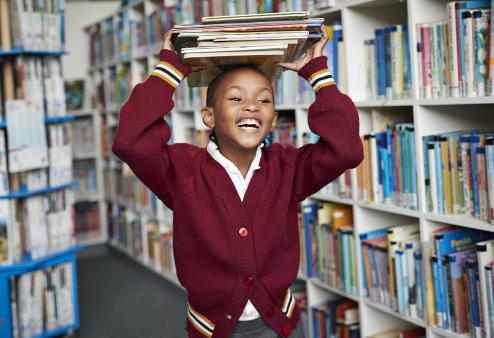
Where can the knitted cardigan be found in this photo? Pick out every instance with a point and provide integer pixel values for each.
(226, 250)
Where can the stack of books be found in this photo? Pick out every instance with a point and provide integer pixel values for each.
(261, 40)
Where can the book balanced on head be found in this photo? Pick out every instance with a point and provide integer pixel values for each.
(261, 40)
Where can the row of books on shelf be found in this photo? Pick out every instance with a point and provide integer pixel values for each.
(109, 183)
(134, 33)
(453, 54)
(446, 281)
(54, 170)
(329, 245)
(336, 318)
(387, 64)
(37, 226)
(87, 222)
(392, 269)
(339, 318)
(387, 174)
(42, 301)
(83, 136)
(127, 230)
(121, 78)
(34, 25)
(85, 177)
(59, 154)
(160, 246)
(37, 82)
(459, 173)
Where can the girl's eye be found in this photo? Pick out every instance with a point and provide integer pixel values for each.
(237, 99)
(265, 101)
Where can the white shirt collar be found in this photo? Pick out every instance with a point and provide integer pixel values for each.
(212, 149)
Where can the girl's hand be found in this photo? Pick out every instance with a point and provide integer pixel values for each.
(167, 44)
(314, 51)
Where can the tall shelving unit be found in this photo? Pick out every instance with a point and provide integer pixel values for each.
(359, 18)
(38, 244)
(88, 197)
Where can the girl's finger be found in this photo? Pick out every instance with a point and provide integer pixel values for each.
(287, 65)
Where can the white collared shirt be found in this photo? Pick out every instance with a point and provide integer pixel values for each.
(241, 185)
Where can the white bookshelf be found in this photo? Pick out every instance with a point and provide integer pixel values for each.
(430, 116)
(96, 156)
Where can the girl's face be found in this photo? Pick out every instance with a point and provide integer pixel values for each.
(243, 111)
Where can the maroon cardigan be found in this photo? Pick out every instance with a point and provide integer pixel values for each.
(227, 250)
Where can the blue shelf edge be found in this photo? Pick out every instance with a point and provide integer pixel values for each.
(59, 119)
(40, 263)
(20, 51)
(24, 194)
(48, 120)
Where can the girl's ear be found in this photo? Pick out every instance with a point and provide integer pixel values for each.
(273, 123)
(208, 117)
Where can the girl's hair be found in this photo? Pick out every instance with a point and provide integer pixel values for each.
(213, 86)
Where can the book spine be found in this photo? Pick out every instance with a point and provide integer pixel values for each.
(482, 184)
(439, 178)
(490, 62)
(426, 60)
(484, 257)
(433, 177)
(420, 57)
(450, 297)
(407, 67)
(437, 293)
(445, 165)
(474, 144)
(435, 60)
(489, 157)
(490, 297)
(396, 37)
(381, 63)
(469, 51)
(412, 280)
(480, 31)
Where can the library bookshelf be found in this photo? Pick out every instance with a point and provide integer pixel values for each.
(38, 276)
(359, 19)
(88, 155)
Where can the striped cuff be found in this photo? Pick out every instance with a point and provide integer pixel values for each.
(167, 72)
(316, 72)
(321, 79)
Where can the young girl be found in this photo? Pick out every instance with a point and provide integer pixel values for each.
(235, 203)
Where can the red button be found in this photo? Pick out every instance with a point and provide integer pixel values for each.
(269, 313)
(248, 281)
(243, 232)
(286, 330)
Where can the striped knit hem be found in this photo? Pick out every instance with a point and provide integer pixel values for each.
(201, 323)
(167, 72)
(288, 304)
(321, 78)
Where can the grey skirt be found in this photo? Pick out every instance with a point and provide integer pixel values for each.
(259, 329)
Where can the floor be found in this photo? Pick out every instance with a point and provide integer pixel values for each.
(120, 298)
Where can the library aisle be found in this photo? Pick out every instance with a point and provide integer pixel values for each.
(120, 298)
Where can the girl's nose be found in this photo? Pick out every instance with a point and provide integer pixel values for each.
(252, 107)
